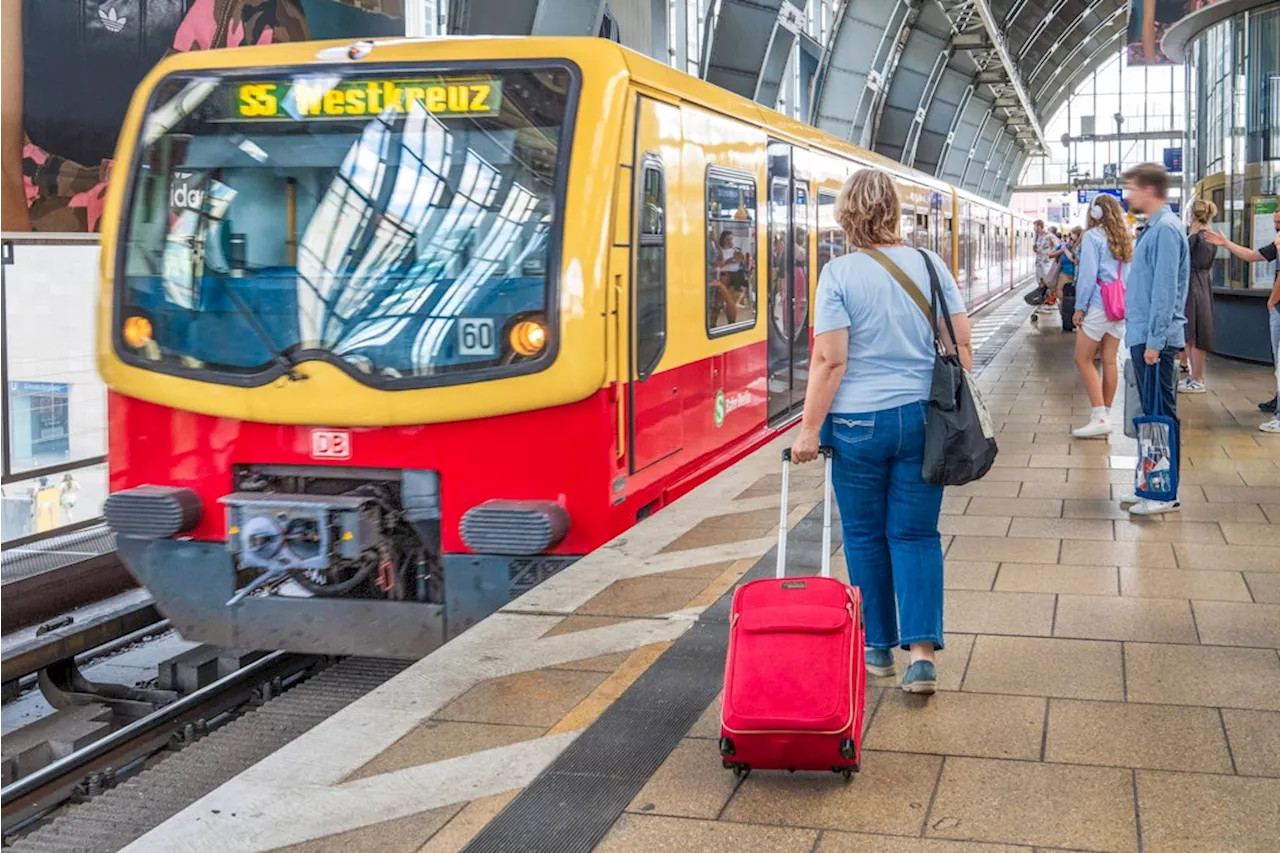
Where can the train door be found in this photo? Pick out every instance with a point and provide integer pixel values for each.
(788, 329)
(655, 417)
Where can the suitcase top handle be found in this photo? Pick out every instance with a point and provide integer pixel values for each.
(828, 455)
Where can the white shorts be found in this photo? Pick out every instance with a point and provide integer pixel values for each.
(1096, 325)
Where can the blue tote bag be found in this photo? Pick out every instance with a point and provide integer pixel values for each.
(1156, 477)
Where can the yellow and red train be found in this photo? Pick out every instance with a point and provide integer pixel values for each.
(394, 330)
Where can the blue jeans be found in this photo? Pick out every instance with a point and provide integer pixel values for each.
(1167, 374)
(1275, 333)
(890, 519)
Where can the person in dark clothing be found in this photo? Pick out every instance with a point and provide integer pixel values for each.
(1268, 253)
(1199, 296)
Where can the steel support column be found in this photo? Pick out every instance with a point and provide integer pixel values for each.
(912, 142)
(945, 154)
(747, 43)
(567, 18)
(852, 63)
(999, 148)
(877, 90)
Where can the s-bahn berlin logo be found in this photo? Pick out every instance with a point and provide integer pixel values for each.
(724, 405)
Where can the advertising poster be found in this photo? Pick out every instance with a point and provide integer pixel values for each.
(71, 66)
(1148, 21)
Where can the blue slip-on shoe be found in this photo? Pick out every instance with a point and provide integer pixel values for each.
(921, 677)
(880, 662)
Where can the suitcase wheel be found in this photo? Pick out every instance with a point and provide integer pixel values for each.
(740, 770)
(848, 774)
(726, 746)
(846, 749)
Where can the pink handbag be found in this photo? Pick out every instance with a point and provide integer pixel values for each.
(1113, 296)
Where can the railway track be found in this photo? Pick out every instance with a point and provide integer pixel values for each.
(105, 796)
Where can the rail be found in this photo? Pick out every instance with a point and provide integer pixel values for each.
(47, 788)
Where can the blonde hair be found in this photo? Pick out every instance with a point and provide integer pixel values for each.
(868, 209)
(1203, 211)
(1119, 240)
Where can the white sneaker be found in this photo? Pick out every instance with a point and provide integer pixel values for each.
(1149, 507)
(1095, 428)
(1190, 386)
(1129, 498)
(1272, 426)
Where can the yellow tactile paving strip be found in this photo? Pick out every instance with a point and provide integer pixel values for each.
(1103, 677)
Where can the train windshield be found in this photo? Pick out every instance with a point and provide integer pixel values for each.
(402, 225)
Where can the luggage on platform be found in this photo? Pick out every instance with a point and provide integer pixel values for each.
(795, 675)
(1068, 306)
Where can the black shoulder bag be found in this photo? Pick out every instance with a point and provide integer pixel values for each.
(959, 439)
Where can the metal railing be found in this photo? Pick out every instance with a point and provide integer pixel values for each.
(52, 404)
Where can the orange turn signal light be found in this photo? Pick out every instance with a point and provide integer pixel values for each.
(528, 337)
(137, 332)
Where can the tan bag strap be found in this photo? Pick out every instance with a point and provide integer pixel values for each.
(903, 279)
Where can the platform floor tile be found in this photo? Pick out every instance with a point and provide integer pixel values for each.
(1109, 684)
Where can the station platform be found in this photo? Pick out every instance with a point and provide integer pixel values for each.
(1108, 684)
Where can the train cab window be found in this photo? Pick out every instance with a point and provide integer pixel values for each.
(731, 252)
(651, 270)
(831, 239)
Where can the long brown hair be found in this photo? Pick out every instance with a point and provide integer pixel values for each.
(868, 209)
(1113, 225)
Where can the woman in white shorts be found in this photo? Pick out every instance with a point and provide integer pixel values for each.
(1106, 249)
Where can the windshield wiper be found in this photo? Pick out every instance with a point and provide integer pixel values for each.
(287, 364)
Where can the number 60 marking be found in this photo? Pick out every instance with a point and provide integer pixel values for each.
(476, 337)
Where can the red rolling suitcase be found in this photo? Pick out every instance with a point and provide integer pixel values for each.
(794, 677)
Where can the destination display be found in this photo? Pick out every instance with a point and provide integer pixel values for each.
(327, 98)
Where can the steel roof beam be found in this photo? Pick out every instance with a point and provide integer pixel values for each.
(912, 142)
(1011, 68)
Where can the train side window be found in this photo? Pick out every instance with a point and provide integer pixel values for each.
(651, 270)
(731, 252)
(831, 239)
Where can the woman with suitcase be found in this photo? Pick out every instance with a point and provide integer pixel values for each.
(869, 385)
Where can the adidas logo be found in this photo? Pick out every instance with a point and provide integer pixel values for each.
(112, 21)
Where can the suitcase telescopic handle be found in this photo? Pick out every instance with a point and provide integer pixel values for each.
(828, 454)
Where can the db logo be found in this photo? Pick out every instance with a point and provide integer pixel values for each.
(330, 444)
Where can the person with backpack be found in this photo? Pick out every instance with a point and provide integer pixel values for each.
(1105, 249)
(869, 387)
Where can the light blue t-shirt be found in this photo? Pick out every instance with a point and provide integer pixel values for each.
(891, 351)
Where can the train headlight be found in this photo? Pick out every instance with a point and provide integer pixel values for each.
(137, 332)
(528, 337)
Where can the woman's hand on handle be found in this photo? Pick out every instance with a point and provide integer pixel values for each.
(805, 448)
(826, 369)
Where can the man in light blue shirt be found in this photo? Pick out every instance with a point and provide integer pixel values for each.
(1155, 301)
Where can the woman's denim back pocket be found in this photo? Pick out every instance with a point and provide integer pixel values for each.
(853, 429)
